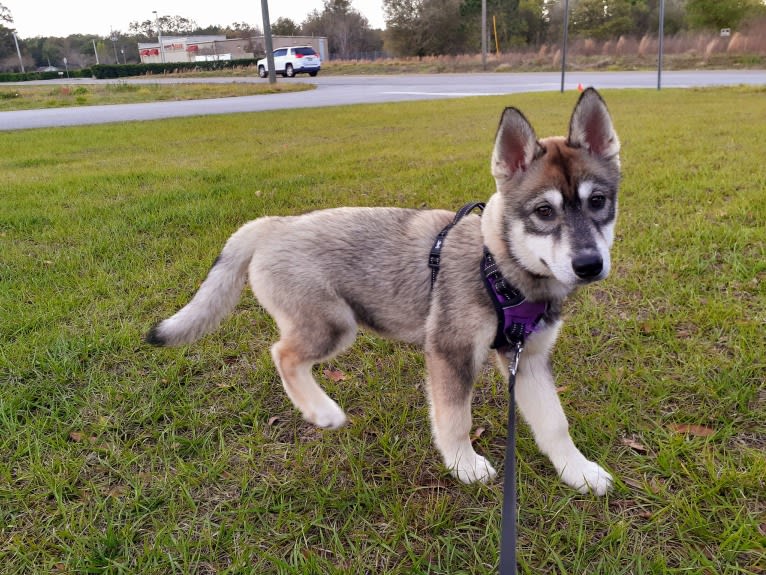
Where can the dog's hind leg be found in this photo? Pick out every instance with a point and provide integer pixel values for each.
(449, 392)
(299, 348)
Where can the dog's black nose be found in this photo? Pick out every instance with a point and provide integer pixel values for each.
(587, 266)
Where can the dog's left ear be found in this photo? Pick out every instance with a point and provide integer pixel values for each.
(515, 145)
(591, 126)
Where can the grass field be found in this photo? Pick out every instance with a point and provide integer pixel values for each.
(28, 97)
(120, 458)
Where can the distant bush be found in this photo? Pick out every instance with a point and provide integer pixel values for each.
(102, 71)
(28, 76)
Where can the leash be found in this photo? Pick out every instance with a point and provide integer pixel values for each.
(508, 535)
(516, 319)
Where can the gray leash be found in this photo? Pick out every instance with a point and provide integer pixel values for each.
(508, 534)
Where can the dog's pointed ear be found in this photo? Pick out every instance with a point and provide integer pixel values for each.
(591, 126)
(515, 145)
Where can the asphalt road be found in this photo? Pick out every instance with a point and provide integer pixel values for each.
(343, 90)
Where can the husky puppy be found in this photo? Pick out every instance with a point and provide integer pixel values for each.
(322, 275)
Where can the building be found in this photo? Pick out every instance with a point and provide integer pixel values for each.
(205, 48)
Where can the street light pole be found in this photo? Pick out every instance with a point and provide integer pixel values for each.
(159, 36)
(21, 62)
(564, 47)
(267, 40)
(484, 34)
(661, 33)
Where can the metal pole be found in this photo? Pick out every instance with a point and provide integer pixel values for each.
(564, 47)
(268, 42)
(113, 38)
(661, 46)
(484, 34)
(21, 62)
(95, 51)
(159, 35)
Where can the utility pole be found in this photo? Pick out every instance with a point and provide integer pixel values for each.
(484, 34)
(159, 36)
(95, 51)
(661, 33)
(564, 47)
(268, 42)
(21, 62)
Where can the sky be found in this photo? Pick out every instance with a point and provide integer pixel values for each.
(56, 18)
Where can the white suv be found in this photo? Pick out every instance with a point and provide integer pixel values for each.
(291, 61)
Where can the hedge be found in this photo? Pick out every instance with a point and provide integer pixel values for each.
(105, 71)
(27, 76)
(124, 70)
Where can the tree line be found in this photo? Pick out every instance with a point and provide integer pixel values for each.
(413, 28)
(118, 48)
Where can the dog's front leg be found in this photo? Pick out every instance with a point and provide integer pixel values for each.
(539, 404)
(450, 383)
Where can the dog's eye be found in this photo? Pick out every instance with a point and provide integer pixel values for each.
(597, 201)
(544, 212)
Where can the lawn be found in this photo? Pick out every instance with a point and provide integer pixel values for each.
(116, 457)
(34, 96)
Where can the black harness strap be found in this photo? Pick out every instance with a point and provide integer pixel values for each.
(434, 258)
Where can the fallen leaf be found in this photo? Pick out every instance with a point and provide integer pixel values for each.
(76, 436)
(272, 420)
(696, 430)
(633, 483)
(562, 389)
(477, 434)
(634, 445)
(117, 491)
(334, 374)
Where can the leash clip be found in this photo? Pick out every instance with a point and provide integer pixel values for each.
(514, 356)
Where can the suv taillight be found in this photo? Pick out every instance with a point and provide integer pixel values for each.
(299, 55)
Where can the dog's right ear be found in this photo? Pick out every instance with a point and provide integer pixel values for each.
(515, 145)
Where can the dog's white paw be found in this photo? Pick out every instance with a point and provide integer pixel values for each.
(472, 467)
(328, 415)
(587, 476)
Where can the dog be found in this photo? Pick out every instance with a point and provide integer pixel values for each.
(322, 275)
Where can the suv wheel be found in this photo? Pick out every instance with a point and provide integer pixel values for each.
(289, 72)
(262, 71)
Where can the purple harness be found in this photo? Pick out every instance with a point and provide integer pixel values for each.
(516, 317)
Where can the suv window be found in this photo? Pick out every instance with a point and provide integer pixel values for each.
(280, 52)
(308, 51)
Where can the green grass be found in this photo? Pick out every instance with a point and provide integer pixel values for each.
(120, 458)
(29, 97)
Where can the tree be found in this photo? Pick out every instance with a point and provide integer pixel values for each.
(427, 27)
(403, 21)
(169, 25)
(717, 14)
(285, 27)
(5, 14)
(534, 21)
(348, 32)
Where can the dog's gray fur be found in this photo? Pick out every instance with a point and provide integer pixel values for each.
(323, 274)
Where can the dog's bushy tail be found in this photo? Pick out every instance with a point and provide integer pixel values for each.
(216, 297)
